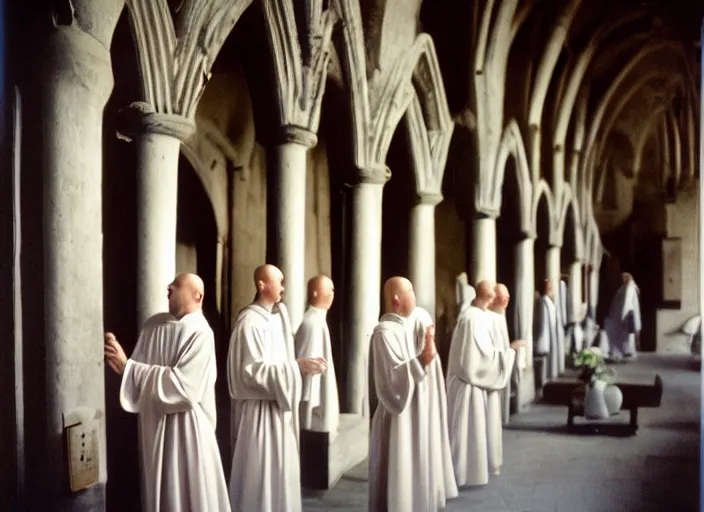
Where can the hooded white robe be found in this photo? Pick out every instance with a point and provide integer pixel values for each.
(400, 474)
(320, 406)
(442, 475)
(621, 335)
(475, 366)
(265, 387)
(170, 382)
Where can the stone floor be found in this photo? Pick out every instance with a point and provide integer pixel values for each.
(547, 469)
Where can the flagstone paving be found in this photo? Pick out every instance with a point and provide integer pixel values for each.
(547, 469)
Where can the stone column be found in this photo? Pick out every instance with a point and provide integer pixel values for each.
(75, 82)
(287, 216)
(421, 260)
(365, 281)
(552, 271)
(158, 138)
(575, 293)
(524, 295)
(482, 250)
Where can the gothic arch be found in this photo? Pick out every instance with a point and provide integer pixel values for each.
(569, 220)
(542, 192)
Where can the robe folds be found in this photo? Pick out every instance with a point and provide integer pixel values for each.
(546, 334)
(265, 389)
(170, 382)
(442, 474)
(498, 402)
(475, 367)
(320, 406)
(624, 321)
(400, 454)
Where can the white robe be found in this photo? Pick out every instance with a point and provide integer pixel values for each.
(170, 382)
(442, 474)
(265, 386)
(499, 402)
(546, 337)
(320, 406)
(621, 340)
(399, 450)
(475, 366)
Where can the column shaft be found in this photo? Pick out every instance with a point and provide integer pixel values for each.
(364, 288)
(157, 196)
(421, 261)
(288, 222)
(483, 250)
(574, 307)
(71, 130)
(552, 270)
(525, 293)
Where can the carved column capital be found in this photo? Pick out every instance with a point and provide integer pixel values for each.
(293, 134)
(374, 174)
(140, 117)
(429, 198)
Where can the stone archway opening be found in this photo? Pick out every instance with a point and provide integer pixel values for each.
(542, 243)
(508, 235)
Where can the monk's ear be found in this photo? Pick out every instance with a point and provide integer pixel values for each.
(315, 293)
(260, 285)
(397, 302)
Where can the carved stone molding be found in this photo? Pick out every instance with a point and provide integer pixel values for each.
(175, 56)
(301, 72)
(430, 199)
(140, 117)
(373, 174)
(298, 135)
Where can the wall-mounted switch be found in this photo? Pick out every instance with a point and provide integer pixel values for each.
(82, 450)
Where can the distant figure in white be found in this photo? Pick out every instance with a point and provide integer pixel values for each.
(464, 293)
(548, 333)
(566, 315)
(442, 475)
(623, 324)
(265, 382)
(170, 383)
(320, 406)
(400, 458)
(475, 366)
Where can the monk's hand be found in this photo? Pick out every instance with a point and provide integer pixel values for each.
(515, 345)
(115, 356)
(312, 365)
(429, 350)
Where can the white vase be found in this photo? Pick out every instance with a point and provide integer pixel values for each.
(613, 398)
(594, 403)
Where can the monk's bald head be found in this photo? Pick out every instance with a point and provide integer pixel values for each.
(485, 294)
(185, 294)
(501, 299)
(269, 282)
(321, 292)
(626, 277)
(399, 296)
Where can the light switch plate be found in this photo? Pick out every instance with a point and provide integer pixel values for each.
(83, 459)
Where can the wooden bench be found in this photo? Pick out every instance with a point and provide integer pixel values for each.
(570, 392)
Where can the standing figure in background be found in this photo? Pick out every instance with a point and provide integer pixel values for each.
(442, 475)
(265, 382)
(170, 383)
(546, 331)
(320, 406)
(475, 367)
(623, 324)
(399, 459)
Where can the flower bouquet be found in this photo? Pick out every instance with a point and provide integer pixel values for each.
(590, 363)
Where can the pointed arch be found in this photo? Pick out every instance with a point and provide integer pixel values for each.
(512, 145)
(541, 190)
(570, 211)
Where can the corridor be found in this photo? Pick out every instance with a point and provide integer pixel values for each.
(548, 470)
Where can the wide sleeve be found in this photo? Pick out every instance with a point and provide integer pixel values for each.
(394, 378)
(251, 377)
(310, 342)
(169, 389)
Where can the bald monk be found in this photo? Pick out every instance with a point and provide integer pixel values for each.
(399, 459)
(265, 382)
(498, 401)
(475, 367)
(170, 383)
(320, 406)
